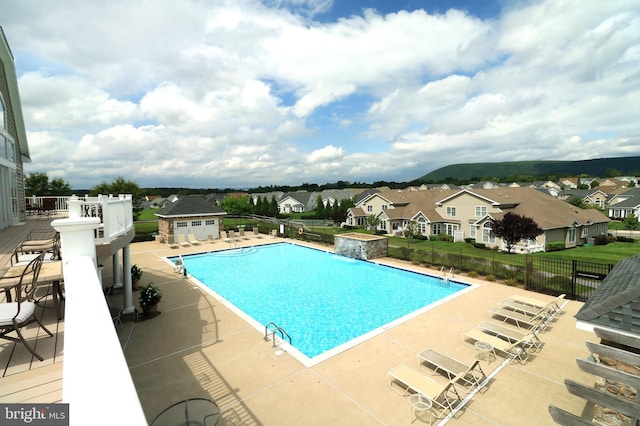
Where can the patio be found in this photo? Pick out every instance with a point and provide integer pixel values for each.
(199, 348)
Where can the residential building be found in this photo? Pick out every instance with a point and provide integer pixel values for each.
(593, 197)
(14, 149)
(625, 204)
(468, 214)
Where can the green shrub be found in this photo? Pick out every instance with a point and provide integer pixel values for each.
(470, 240)
(479, 245)
(490, 277)
(601, 240)
(421, 237)
(555, 246)
(625, 239)
(472, 274)
(445, 237)
(510, 282)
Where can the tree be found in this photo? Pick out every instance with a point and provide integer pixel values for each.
(372, 222)
(513, 228)
(631, 222)
(38, 184)
(236, 205)
(59, 186)
(121, 186)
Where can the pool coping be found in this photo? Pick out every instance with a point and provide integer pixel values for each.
(290, 349)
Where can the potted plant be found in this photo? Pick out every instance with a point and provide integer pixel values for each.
(136, 274)
(149, 298)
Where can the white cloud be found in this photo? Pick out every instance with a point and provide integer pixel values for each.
(243, 92)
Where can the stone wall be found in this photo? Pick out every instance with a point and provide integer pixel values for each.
(359, 247)
(604, 416)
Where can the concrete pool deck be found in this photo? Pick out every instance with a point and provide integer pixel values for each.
(199, 348)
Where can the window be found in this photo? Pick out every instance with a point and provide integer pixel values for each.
(486, 234)
(210, 222)
(369, 209)
(181, 224)
(383, 225)
(196, 223)
(572, 235)
(585, 232)
(384, 207)
(472, 231)
(451, 211)
(437, 228)
(451, 229)
(481, 211)
(421, 226)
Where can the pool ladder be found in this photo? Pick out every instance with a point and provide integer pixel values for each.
(446, 275)
(276, 329)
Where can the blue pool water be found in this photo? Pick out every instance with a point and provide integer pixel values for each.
(322, 300)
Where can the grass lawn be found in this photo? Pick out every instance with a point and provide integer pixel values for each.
(611, 253)
(148, 214)
(146, 227)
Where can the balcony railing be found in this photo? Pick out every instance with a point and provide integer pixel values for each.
(115, 212)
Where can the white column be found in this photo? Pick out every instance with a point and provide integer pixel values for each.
(126, 266)
(117, 283)
(77, 237)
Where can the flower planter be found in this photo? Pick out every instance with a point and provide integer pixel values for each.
(150, 311)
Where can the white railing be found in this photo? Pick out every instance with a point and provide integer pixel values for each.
(46, 205)
(115, 212)
(91, 344)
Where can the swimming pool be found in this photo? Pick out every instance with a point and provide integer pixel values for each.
(325, 302)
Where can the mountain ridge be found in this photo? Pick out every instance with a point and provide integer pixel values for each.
(598, 167)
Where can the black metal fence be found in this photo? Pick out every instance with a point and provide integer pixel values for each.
(577, 279)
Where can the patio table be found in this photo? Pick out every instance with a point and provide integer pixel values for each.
(50, 272)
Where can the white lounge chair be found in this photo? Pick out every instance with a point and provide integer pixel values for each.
(469, 375)
(512, 334)
(552, 305)
(193, 240)
(183, 240)
(444, 397)
(256, 233)
(525, 321)
(513, 349)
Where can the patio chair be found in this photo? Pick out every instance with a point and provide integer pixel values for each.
(274, 233)
(232, 235)
(210, 239)
(552, 306)
(38, 241)
(242, 235)
(513, 349)
(504, 331)
(256, 233)
(193, 240)
(444, 397)
(225, 237)
(15, 315)
(183, 241)
(469, 375)
(525, 321)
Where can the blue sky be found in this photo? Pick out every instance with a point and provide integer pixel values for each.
(242, 93)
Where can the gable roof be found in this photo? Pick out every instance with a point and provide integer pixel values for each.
(190, 205)
(616, 301)
(14, 107)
